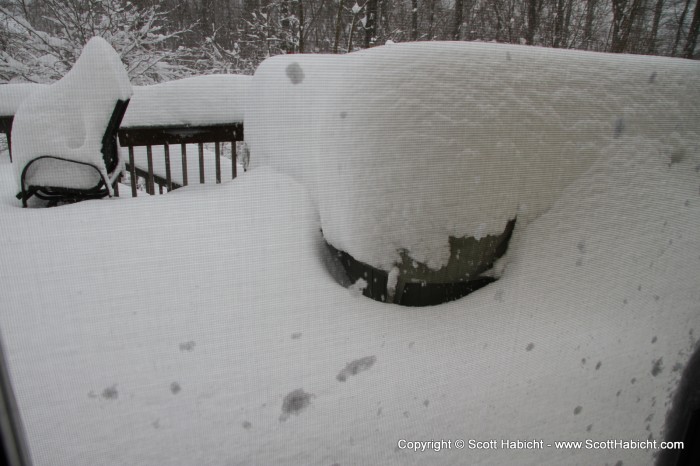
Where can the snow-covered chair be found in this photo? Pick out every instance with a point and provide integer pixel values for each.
(64, 141)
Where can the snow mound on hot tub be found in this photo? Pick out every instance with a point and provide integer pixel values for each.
(405, 145)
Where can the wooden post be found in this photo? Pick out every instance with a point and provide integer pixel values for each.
(168, 175)
(132, 171)
(183, 149)
(234, 158)
(217, 160)
(150, 188)
(201, 163)
(9, 143)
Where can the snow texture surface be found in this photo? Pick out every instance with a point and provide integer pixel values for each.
(203, 327)
(223, 340)
(201, 100)
(68, 119)
(406, 145)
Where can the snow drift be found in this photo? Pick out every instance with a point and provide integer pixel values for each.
(405, 145)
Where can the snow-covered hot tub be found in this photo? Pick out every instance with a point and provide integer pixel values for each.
(408, 148)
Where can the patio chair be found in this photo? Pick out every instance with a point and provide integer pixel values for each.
(100, 184)
(64, 141)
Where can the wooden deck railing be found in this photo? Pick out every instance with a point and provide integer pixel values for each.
(167, 136)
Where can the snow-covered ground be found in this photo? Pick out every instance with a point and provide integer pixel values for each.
(203, 327)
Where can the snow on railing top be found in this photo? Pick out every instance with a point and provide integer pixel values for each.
(68, 119)
(196, 101)
(406, 145)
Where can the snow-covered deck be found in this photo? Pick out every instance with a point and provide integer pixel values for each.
(227, 308)
(229, 342)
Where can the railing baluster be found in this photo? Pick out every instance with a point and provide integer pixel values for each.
(149, 154)
(132, 171)
(201, 163)
(183, 149)
(168, 175)
(8, 136)
(217, 159)
(234, 157)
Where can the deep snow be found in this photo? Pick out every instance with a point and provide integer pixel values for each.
(221, 291)
(405, 145)
(203, 327)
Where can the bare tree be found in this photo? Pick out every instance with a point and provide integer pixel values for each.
(623, 20)
(679, 31)
(338, 26)
(302, 30)
(534, 9)
(588, 28)
(371, 24)
(457, 24)
(658, 10)
(414, 20)
(692, 40)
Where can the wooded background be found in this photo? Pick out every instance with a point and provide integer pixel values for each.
(161, 40)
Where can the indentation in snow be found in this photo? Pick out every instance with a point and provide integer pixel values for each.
(295, 73)
(187, 346)
(355, 367)
(110, 393)
(295, 402)
(619, 127)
